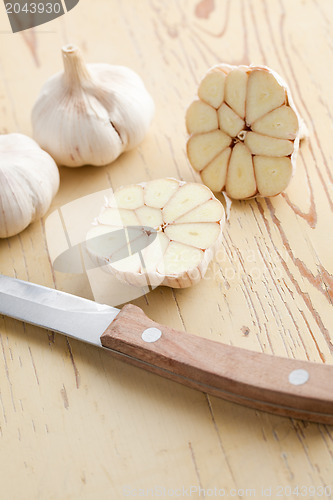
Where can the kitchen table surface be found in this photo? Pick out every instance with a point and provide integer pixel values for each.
(76, 423)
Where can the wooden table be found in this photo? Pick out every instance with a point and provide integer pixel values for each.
(75, 423)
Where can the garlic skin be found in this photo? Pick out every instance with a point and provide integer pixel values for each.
(90, 114)
(29, 180)
(188, 219)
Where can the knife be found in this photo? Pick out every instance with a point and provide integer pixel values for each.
(287, 387)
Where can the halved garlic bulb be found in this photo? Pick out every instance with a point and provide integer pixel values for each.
(188, 220)
(245, 131)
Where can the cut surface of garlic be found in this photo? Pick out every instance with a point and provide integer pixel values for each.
(91, 113)
(244, 131)
(29, 180)
(188, 221)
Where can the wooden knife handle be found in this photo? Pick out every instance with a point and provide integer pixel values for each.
(283, 386)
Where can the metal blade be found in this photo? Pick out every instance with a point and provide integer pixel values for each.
(54, 310)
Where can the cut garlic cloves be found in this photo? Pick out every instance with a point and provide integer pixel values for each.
(252, 149)
(185, 219)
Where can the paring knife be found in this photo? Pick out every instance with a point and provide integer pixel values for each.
(283, 386)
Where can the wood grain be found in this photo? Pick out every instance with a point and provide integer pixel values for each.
(78, 424)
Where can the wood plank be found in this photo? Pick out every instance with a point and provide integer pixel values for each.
(74, 422)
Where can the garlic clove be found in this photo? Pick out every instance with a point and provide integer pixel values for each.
(158, 192)
(153, 259)
(127, 265)
(185, 199)
(90, 114)
(241, 182)
(200, 234)
(29, 180)
(201, 117)
(235, 91)
(189, 230)
(179, 258)
(148, 216)
(229, 121)
(215, 173)
(264, 93)
(203, 148)
(272, 174)
(264, 145)
(281, 123)
(129, 197)
(211, 88)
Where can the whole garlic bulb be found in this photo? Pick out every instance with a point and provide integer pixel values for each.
(90, 114)
(29, 180)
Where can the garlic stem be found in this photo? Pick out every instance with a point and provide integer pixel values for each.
(76, 71)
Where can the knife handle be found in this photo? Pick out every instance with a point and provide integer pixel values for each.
(288, 387)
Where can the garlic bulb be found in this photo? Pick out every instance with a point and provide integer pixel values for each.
(245, 131)
(90, 114)
(188, 220)
(29, 180)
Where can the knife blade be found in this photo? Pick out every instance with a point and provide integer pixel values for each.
(54, 310)
(283, 386)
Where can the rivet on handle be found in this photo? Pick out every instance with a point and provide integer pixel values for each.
(151, 334)
(298, 377)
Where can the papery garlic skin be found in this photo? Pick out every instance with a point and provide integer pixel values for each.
(188, 219)
(90, 114)
(244, 131)
(29, 180)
